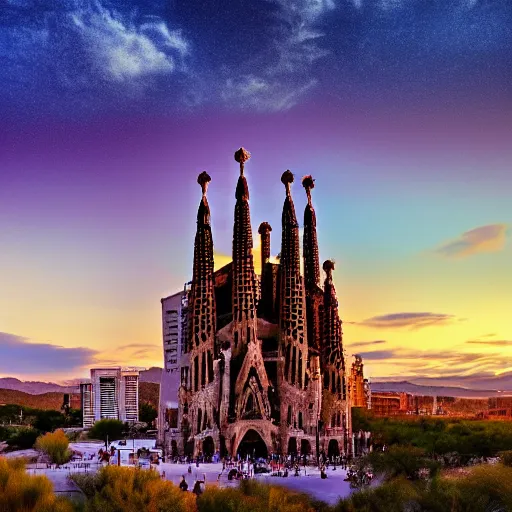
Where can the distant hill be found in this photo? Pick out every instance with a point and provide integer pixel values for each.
(149, 392)
(152, 374)
(47, 401)
(35, 387)
(417, 389)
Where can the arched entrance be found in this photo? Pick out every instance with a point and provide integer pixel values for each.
(208, 447)
(292, 446)
(305, 447)
(252, 445)
(333, 449)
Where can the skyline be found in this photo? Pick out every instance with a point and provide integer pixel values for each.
(400, 111)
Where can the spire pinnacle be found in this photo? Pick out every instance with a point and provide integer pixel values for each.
(287, 179)
(241, 156)
(203, 179)
(308, 183)
(328, 267)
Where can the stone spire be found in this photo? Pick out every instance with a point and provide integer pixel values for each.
(264, 231)
(291, 302)
(333, 360)
(244, 278)
(310, 244)
(314, 294)
(290, 258)
(202, 297)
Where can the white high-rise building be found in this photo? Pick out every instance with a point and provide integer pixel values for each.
(112, 393)
(174, 331)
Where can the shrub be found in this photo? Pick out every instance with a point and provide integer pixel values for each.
(22, 438)
(506, 457)
(55, 445)
(107, 429)
(116, 488)
(20, 492)
(401, 460)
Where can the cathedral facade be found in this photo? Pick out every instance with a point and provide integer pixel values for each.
(262, 369)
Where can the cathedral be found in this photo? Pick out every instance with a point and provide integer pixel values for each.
(262, 369)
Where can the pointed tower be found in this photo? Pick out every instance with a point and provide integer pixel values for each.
(250, 391)
(311, 261)
(244, 277)
(314, 294)
(202, 297)
(291, 304)
(201, 347)
(332, 350)
(336, 411)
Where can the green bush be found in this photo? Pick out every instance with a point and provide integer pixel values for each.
(401, 461)
(22, 437)
(107, 430)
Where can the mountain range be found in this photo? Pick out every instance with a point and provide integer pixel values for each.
(72, 386)
(154, 373)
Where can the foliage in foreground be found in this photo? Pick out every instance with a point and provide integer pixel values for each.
(21, 492)
(116, 489)
(55, 445)
(485, 489)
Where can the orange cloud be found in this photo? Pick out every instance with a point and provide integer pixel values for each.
(485, 239)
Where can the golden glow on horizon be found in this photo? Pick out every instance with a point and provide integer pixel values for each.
(473, 293)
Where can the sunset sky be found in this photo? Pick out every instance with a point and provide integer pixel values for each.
(400, 109)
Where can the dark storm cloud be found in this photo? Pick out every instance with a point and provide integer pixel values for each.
(19, 356)
(408, 319)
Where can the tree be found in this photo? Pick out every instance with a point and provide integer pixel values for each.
(147, 413)
(21, 492)
(107, 429)
(55, 445)
(23, 437)
(48, 421)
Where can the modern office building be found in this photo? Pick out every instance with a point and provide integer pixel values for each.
(112, 393)
(175, 331)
